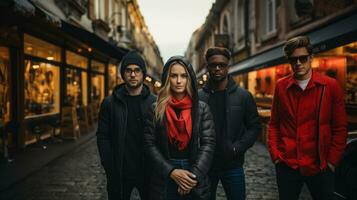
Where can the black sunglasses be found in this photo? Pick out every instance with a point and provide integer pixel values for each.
(219, 65)
(302, 59)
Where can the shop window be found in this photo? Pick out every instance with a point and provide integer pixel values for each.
(76, 60)
(113, 71)
(98, 66)
(39, 48)
(4, 85)
(340, 63)
(261, 83)
(76, 87)
(42, 96)
(97, 90)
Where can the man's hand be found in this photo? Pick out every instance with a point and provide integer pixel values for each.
(184, 179)
(331, 166)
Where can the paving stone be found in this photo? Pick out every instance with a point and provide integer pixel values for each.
(79, 175)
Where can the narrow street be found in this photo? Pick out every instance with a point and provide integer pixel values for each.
(79, 175)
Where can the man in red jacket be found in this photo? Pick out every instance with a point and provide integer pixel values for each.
(308, 126)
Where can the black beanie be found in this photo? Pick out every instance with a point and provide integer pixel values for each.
(132, 57)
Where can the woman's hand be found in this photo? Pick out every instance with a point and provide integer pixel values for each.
(184, 179)
(183, 192)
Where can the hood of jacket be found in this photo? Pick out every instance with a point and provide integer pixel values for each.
(190, 70)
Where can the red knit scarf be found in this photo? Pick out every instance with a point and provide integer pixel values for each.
(179, 129)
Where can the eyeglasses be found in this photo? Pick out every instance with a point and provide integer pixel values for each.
(130, 71)
(219, 65)
(302, 59)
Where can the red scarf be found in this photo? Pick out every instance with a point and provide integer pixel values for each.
(179, 129)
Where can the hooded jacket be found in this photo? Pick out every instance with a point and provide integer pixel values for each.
(242, 125)
(112, 126)
(201, 146)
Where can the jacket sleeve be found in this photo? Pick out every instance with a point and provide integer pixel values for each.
(152, 151)
(338, 127)
(252, 126)
(274, 129)
(207, 142)
(103, 138)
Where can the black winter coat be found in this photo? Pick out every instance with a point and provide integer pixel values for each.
(242, 124)
(201, 150)
(111, 130)
(201, 146)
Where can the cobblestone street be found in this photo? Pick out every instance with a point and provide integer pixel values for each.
(79, 176)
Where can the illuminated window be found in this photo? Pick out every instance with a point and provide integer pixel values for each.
(42, 90)
(39, 48)
(76, 60)
(97, 92)
(113, 71)
(98, 66)
(4, 85)
(76, 87)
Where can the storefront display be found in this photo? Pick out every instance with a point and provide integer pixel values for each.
(97, 90)
(41, 49)
(76, 88)
(42, 88)
(76, 80)
(113, 76)
(4, 85)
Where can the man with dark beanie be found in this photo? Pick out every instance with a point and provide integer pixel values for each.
(237, 124)
(120, 131)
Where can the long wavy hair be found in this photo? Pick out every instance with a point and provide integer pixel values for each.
(165, 93)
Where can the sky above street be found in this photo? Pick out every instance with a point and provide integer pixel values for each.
(172, 22)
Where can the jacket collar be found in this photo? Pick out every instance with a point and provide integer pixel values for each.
(231, 86)
(120, 91)
(316, 79)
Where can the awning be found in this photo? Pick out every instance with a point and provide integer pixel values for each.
(324, 38)
(268, 58)
(93, 40)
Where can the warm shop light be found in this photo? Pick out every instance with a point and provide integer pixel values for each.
(204, 77)
(157, 84)
(50, 58)
(35, 66)
(148, 78)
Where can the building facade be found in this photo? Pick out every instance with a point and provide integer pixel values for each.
(59, 59)
(255, 32)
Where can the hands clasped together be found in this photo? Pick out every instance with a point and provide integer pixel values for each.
(184, 179)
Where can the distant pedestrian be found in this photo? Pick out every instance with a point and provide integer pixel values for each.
(237, 124)
(179, 137)
(308, 126)
(120, 131)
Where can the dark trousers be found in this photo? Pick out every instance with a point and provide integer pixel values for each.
(128, 186)
(233, 182)
(290, 182)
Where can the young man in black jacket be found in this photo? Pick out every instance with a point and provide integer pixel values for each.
(120, 131)
(237, 124)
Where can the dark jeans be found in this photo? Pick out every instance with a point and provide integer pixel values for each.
(128, 186)
(172, 187)
(233, 182)
(290, 182)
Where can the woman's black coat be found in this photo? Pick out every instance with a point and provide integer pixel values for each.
(201, 146)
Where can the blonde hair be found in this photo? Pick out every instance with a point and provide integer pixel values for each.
(165, 93)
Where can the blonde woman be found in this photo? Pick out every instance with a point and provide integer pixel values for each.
(179, 136)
